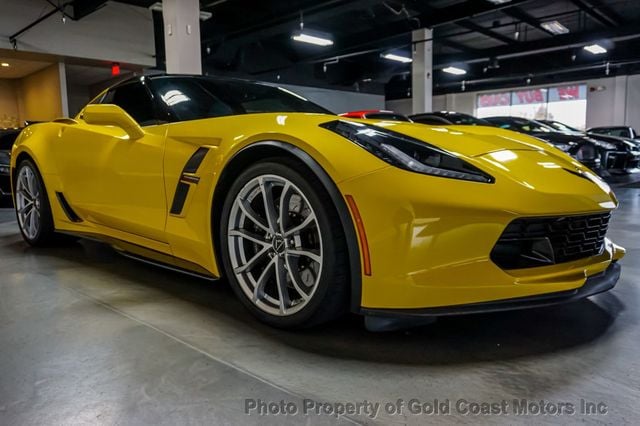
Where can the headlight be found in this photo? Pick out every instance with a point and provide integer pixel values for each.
(407, 153)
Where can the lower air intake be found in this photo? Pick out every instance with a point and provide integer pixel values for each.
(531, 242)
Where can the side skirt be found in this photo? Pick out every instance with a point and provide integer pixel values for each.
(149, 256)
(166, 266)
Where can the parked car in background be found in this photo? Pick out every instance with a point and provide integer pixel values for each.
(614, 159)
(619, 131)
(448, 118)
(561, 127)
(579, 147)
(376, 114)
(7, 137)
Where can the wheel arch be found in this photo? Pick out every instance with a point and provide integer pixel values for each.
(264, 149)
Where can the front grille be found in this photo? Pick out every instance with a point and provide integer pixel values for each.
(530, 242)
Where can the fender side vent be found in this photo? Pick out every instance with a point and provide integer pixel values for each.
(179, 198)
(71, 215)
(188, 177)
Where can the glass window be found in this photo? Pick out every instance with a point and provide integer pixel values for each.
(565, 104)
(568, 105)
(493, 104)
(135, 100)
(192, 98)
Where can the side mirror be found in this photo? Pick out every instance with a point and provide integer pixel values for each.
(112, 115)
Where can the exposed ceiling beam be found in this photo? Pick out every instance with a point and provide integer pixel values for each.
(392, 33)
(599, 12)
(521, 15)
(456, 45)
(321, 11)
(536, 47)
(486, 31)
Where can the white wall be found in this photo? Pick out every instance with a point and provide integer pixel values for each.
(338, 101)
(610, 101)
(115, 33)
(632, 115)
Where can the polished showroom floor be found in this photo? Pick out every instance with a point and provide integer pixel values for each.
(88, 336)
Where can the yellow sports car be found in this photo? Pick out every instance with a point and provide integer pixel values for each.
(309, 215)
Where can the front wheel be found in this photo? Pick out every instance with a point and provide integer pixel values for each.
(283, 248)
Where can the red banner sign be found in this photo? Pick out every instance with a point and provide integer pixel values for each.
(494, 99)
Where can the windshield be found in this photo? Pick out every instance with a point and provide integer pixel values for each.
(190, 98)
(561, 126)
(522, 125)
(467, 120)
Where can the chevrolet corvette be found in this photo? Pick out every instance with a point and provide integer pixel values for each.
(309, 215)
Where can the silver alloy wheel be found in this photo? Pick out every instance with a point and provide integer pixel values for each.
(28, 202)
(275, 245)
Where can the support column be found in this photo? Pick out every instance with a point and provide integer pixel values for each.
(422, 70)
(182, 36)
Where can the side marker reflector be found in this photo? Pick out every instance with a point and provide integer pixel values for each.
(364, 245)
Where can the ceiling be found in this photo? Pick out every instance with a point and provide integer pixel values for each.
(19, 68)
(500, 44)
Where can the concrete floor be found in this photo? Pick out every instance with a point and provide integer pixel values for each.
(87, 336)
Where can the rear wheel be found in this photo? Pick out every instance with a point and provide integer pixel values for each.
(283, 248)
(32, 206)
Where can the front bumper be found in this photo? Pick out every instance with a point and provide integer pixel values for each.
(619, 160)
(430, 238)
(595, 284)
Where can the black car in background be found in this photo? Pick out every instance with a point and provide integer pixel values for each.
(615, 159)
(561, 127)
(448, 118)
(599, 154)
(7, 137)
(617, 131)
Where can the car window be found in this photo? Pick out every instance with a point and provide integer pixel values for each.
(613, 131)
(197, 98)
(387, 116)
(135, 100)
(188, 100)
(465, 119)
(431, 120)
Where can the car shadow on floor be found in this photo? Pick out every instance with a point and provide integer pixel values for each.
(448, 341)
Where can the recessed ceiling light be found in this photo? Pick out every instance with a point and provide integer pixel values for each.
(595, 49)
(454, 70)
(554, 27)
(311, 39)
(397, 58)
(4, 64)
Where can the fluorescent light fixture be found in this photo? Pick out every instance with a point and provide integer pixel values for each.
(397, 58)
(595, 49)
(554, 27)
(454, 70)
(311, 39)
(499, 1)
(4, 64)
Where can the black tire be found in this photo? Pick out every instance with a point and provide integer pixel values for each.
(45, 235)
(331, 297)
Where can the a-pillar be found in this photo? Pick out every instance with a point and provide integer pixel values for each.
(182, 36)
(422, 70)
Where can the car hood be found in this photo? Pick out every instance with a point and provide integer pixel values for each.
(470, 141)
(544, 172)
(558, 138)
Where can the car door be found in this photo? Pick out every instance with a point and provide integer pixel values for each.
(112, 180)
